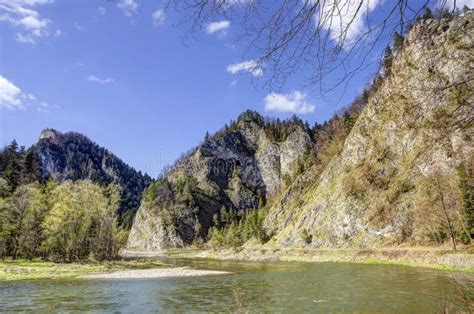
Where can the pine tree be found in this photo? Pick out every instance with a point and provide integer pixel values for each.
(32, 167)
(387, 60)
(397, 42)
(12, 171)
(365, 96)
(348, 121)
(427, 14)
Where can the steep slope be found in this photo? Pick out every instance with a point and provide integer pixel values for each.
(236, 169)
(73, 156)
(416, 129)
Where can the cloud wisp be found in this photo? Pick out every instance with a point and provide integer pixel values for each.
(158, 17)
(219, 27)
(128, 7)
(250, 66)
(13, 98)
(295, 102)
(95, 79)
(22, 15)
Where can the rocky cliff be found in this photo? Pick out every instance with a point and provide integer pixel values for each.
(415, 133)
(236, 169)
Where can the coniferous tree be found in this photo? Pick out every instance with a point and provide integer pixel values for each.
(427, 14)
(397, 41)
(387, 60)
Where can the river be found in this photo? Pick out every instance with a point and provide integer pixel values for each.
(252, 287)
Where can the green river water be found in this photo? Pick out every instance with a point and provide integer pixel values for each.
(252, 287)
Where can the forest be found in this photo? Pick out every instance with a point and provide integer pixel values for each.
(56, 220)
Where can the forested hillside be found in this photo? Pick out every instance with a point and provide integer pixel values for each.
(65, 198)
(73, 156)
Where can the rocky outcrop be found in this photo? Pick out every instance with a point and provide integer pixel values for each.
(418, 122)
(235, 170)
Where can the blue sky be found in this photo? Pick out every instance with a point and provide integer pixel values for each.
(119, 72)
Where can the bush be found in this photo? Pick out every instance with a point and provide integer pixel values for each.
(306, 236)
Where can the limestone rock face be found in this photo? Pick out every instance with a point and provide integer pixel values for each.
(417, 122)
(149, 233)
(51, 135)
(236, 169)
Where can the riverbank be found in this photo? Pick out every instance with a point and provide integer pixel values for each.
(434, 258)
(38, 269)
(135, 269)
(143, 265)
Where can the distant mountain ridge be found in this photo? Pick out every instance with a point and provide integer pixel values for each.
(73, 156)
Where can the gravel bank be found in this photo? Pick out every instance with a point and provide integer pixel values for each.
(155, 273)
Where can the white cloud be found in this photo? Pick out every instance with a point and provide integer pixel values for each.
(158, 17)
(345, 20)
(233, 83)
(12, 97)
(129, 7)
(95, 79)
(221, 27)
(58, 33)
(21, 14)
(459, 3)
(294, 102)
(24, 39)
(102, 10)
(230, 3)
(251, 66)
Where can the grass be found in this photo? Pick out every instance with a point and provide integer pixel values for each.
(39, 269)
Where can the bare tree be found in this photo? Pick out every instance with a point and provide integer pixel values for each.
(438, 206)
(329, 41)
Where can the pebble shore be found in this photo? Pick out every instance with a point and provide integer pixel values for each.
(155, 273)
